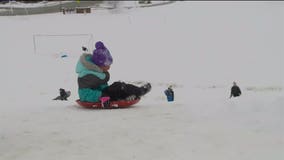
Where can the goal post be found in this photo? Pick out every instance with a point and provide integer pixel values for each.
(55, 44)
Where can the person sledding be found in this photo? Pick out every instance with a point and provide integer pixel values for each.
(93, 77)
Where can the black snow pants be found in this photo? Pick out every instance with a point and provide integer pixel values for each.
(121, 90)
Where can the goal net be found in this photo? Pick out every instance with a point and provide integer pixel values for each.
(59, 44)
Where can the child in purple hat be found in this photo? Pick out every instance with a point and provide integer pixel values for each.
(93, 77)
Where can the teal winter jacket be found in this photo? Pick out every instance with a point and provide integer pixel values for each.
(91, 79)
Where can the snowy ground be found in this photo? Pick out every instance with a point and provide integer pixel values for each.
(200, 47)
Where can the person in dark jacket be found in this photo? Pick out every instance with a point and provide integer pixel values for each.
(235, 90)
(169, 93)
(93, 77)
(63, 95)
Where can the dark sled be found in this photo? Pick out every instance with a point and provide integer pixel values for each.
(113, 104)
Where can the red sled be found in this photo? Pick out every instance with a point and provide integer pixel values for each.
(113, 104)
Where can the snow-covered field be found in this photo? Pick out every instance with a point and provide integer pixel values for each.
(199, 47)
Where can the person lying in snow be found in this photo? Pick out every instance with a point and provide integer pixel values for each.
(93, 77)
(63, 95)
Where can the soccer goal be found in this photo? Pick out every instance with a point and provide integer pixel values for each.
(58, 44)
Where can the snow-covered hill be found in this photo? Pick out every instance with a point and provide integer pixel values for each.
(199, 47)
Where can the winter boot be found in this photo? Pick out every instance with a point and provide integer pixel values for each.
(145, 89)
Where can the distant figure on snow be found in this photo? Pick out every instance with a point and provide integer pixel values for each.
(63, 95)
(85, 50)
(170, 94)
(235, 90)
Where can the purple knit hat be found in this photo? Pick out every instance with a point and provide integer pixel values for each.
(101, 55)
